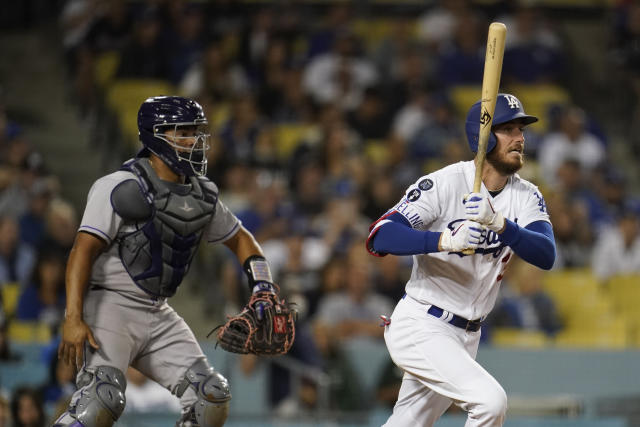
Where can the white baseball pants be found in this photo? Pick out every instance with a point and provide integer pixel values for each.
(440, 368)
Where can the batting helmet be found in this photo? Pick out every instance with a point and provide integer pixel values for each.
(159, 114)
(508, 108)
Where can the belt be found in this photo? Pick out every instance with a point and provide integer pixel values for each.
(460, 322)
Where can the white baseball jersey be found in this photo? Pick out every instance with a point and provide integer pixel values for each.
(101, 220)
(466, 285)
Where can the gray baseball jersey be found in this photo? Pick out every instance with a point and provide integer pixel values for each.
(102, 221)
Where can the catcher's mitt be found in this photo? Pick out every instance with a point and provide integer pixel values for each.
(266, 326)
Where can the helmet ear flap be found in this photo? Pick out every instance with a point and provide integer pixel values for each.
(473, 135)
(493, 141)
(472, 131)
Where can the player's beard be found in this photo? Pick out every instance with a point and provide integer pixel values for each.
(503, 164)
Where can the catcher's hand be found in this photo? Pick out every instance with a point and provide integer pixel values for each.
(266, 326)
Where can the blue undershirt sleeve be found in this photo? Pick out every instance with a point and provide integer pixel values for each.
(399, 239)
(534, 243)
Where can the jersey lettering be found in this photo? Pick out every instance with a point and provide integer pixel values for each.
(541, 203)
(406, 211)
(488, 238)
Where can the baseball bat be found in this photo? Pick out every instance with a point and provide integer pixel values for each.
(490, 84)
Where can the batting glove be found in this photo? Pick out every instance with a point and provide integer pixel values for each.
(466, 235)
(478, 208)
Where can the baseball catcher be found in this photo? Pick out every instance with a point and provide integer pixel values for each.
(266, 325)
(139, 233)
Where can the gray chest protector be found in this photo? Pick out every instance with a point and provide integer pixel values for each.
(170, 220)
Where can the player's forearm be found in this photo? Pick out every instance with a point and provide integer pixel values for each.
(534, 244)
(250, 255)
(77, 281)
(398, 239)
(81, 258)
(243, 245)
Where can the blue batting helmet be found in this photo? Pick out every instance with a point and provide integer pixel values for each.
(508, 108)
(160, 114)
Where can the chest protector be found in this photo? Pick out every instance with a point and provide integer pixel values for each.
(170, 220)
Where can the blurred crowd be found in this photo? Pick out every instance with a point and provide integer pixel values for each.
(321, 116)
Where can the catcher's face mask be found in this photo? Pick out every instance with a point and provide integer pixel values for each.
(190, 142)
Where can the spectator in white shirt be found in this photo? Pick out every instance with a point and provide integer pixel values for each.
(144, 395)
(571, 141)
(617, 250)
(340, 76)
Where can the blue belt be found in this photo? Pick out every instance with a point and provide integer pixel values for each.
(460, 322)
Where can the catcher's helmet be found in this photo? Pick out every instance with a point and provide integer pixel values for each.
(159, 114)
(508, 108)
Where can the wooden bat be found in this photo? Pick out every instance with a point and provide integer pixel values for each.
(490, 85)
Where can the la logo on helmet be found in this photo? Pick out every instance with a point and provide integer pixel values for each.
(512, 101)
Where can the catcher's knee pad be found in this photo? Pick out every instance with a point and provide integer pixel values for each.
(101, 400)
(212, 391)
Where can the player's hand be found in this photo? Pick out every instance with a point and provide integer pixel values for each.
(74, 333)
(466, 235)
(478, 208)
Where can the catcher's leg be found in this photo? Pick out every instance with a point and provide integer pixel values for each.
(212, 391)
(99, 401)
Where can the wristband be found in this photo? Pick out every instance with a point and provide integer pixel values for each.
(257, 270)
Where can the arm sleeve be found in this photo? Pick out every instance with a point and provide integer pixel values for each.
(534, 243)
(394, 235)
(409, 218)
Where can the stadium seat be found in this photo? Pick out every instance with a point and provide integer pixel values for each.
(577, 278)
(584, 310)
(367, 358)
(30, 351)
(372, 31)
(105, 67)
(519, 338)
(124, 97)
(571, 283)
(625, 293)
(16, 374)
(611, 333)
(538, 100)
(10, 293)
(29, 332)
(219, 114)
(218, 358)
(577, 295)
(376, 151)
(463, 97)
(245, 388)
(288, 136)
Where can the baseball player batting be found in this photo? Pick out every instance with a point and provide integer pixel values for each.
(434, 331)
(140, 230)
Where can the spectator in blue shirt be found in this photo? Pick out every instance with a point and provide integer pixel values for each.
(43, 299)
